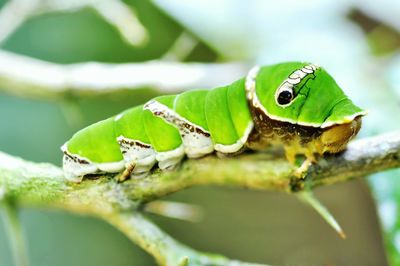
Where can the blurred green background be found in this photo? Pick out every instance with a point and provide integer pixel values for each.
(357, 41)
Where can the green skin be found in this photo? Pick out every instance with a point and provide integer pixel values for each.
(222, 119)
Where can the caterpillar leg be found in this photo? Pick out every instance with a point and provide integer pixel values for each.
(139, 158)
(302, 170)
(290, 154)
(311, 159)
(126, 173)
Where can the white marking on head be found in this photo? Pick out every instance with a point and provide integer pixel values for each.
(293, 79)
(250, 86)
(285, 86)
(307, 70)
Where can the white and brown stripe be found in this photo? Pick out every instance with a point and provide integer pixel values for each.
(196, 140)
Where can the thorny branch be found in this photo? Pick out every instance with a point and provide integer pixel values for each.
(34, 184)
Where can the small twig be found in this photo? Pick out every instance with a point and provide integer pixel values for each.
(166, 250)
(123, 18)
(181, 48)
(28, 77)
(15, 234)
(177, 210)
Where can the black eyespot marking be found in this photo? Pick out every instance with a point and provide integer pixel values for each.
(285, 97)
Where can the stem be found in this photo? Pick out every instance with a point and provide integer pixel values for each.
(15, 235)
(165, 249)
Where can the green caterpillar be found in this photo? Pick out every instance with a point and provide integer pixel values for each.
(297, 105)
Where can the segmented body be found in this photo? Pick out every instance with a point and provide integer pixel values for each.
(225, 119)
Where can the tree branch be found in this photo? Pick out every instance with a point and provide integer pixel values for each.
(166, 250)
(15, 234)
(39, 184)
(28, 77)
(118, 14)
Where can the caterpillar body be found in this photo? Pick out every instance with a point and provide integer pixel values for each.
(297, 105)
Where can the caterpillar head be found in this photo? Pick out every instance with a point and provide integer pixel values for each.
(305, 94)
